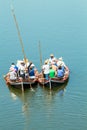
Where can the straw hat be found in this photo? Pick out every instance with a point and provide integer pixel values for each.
(61, 59)
(51, 55)
(46, 61)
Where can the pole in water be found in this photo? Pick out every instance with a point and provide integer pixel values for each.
(22, 86)
(31, 88)
(50, 83)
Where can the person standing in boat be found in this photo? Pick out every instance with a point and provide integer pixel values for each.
(52, 59)
(21, 69)
(45, 69)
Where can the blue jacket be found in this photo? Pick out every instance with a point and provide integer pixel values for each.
(31, 72)
(60, 72)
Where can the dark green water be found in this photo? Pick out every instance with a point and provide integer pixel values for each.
(61, 26)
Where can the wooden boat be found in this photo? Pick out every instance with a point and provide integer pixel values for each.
(21, 83)
(54, 81)
(14, 77)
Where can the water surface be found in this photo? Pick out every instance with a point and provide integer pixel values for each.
(61, 27)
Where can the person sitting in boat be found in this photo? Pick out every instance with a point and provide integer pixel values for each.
(61, 62)
(60, 72)
(51, 72)
(52, 59)
(29, 66)
(31, 71)
(45, 69)
(12, 74)
(14, 67)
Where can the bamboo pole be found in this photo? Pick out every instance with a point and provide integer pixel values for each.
(40, 54)
(19, 35)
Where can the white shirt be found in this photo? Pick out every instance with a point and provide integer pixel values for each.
(21, 69)
(46, 69)
(13, 75)
(52, 59)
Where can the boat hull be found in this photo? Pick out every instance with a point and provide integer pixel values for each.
(52, 82)
(21, 84)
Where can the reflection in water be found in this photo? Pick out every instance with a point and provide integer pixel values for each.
(51, 100)
(13, 96)
(60, 90)
(51, 95)
(24, 105)
(26, 98)
(41, 98)
(23, 96)
(47, 94)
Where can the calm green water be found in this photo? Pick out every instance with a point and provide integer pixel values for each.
(61, 26)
